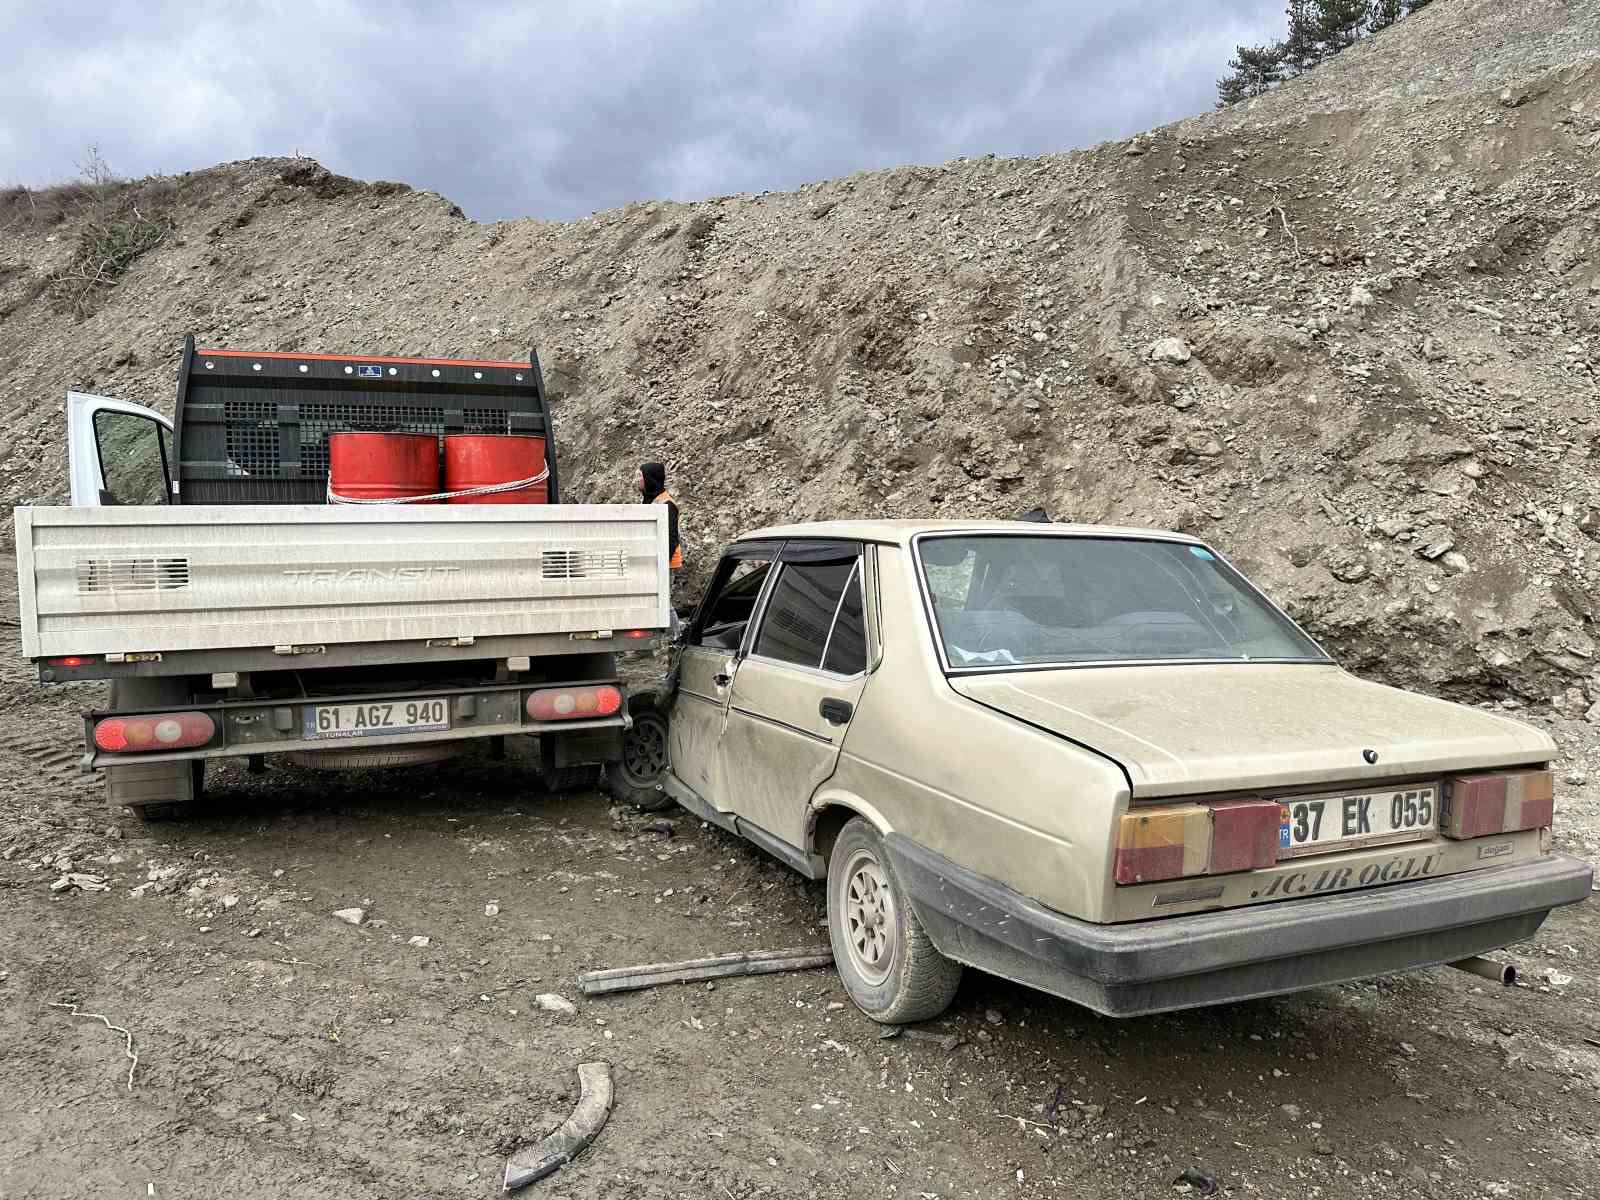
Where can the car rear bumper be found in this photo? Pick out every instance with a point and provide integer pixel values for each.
(1234, 954)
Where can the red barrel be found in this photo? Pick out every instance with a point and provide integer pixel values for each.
(383, 466)
(473, 460)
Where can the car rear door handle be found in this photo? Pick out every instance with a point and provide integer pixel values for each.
(721, 680)
(836, 712)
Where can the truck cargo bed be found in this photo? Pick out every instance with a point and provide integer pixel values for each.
(170, 579)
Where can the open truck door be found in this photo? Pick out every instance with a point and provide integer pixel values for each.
(119, 453)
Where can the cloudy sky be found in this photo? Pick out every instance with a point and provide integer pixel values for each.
(555, 109)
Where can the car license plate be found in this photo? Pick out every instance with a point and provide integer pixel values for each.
(1318, 824)
(324, 721)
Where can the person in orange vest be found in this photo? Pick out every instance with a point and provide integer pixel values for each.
(652, 484)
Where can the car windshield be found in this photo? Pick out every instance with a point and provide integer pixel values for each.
(1012, 600)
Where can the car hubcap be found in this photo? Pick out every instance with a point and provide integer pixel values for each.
(869, 917)
(644, 751)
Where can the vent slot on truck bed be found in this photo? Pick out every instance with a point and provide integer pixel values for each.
(254, 428)
(584, 564)
(124, 576)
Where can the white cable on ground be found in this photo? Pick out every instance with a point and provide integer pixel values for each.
(133, 1058)
(488, 489)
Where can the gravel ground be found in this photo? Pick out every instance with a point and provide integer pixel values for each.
(286, 1052)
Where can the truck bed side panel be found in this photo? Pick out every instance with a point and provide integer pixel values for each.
(170, 578)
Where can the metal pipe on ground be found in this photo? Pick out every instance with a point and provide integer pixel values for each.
(1487, 968)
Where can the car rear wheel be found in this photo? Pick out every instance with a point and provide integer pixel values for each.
(886, 960)
(636, 778)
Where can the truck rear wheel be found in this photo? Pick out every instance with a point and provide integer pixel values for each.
(636, 778)
(155, 791)
(569, 777)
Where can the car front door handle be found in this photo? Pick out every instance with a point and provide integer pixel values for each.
(721, 680)
(836, 712)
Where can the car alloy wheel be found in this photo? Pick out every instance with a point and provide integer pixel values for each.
(871, 926)
(644, 751)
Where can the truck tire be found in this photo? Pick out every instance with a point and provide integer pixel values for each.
(377, 756)
(572, 777)
(887, 962)
(158, 791)
(636, 779)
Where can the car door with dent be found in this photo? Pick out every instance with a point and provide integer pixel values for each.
(795, 692)
(707, 663)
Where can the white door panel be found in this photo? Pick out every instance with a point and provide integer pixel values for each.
(118, 453)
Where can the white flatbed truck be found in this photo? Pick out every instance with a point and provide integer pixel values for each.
(260, 622)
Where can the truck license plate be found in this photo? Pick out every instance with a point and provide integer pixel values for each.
(368, 720)
(1318, 824)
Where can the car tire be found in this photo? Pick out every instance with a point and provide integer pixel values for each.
(887, 962)
(159, 791)
(636, 778)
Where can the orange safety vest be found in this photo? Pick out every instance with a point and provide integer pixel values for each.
(676, 561)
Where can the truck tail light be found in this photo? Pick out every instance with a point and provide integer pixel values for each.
(637, 635)
(575, 703)
(160, 731)
(1174, 840)
(73, 660)
(1502, 802)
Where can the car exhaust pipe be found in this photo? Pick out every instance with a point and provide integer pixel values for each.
(1487, 968)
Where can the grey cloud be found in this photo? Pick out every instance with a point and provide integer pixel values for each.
(520, 109)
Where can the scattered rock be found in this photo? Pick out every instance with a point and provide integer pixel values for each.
(1361, 296)
(80, 881)
(351, 916)
(1173, 350)
(553, 1003)
(492, 909)
(421, 941)
(1435, 542)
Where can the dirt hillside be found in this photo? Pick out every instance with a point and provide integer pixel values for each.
(1351, 334)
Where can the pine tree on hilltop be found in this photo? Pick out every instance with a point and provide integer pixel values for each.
(1385, 13)
(1253, 71)
(1301, 48)
(1340, 22)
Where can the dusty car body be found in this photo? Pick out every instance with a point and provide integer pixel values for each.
(1096, 761)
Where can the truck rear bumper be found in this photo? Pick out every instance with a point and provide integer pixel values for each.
(1235, 954)
(277, 726)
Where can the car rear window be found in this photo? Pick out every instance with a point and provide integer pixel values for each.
(806, 614)
(1013, 600)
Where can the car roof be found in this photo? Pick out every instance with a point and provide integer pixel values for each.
(901, 532)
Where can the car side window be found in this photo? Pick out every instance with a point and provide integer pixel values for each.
(732, 604)
(847, 645)
(800, 615)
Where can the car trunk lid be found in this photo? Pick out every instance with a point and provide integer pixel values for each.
(1197, 729)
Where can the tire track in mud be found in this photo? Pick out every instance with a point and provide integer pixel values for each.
(49, 756)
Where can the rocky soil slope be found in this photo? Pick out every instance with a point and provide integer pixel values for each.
(1350, 334)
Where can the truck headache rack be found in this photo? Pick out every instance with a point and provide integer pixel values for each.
(252, 427)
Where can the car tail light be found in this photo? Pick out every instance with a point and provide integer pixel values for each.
(575, 703)
(1171, 841)
(72, 660)
(159, 731)
(1502, 802)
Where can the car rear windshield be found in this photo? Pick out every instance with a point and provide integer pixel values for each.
(1014, 600)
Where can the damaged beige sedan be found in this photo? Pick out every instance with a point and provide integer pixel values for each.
(1095, 761)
